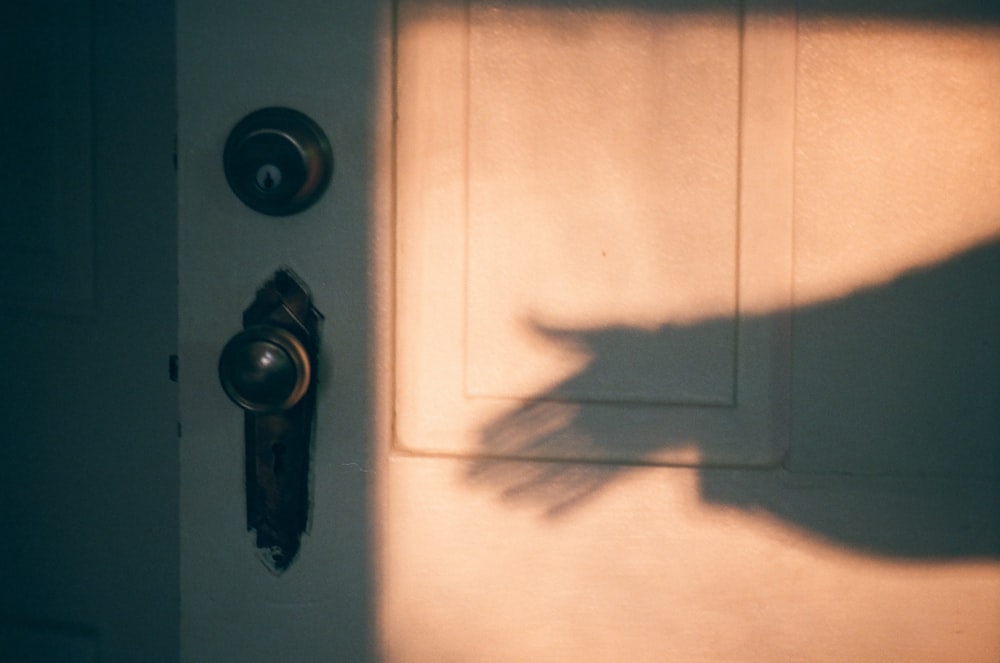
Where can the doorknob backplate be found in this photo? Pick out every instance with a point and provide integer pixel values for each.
(269, 370)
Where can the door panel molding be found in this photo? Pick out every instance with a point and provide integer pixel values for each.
(644, 291)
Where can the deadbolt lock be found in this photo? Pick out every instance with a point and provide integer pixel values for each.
(278, 161)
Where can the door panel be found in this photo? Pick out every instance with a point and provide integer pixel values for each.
(573, 241)
(594, 197)
(47, 243)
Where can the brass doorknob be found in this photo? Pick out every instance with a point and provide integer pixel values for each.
(265, 369)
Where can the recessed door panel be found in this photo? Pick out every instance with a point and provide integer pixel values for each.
(46, 133)
(602, 191)
(573, 250)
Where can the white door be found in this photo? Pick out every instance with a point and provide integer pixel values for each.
(652, 332)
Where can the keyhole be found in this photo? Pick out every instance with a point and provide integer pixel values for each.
(278, 450)
(268, 177)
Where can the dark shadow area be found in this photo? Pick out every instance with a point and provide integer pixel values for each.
(895, 433)
(89, 480)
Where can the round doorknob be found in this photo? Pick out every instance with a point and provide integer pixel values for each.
(277, 161)
(265, 369)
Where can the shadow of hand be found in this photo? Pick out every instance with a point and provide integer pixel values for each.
(896, 416)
